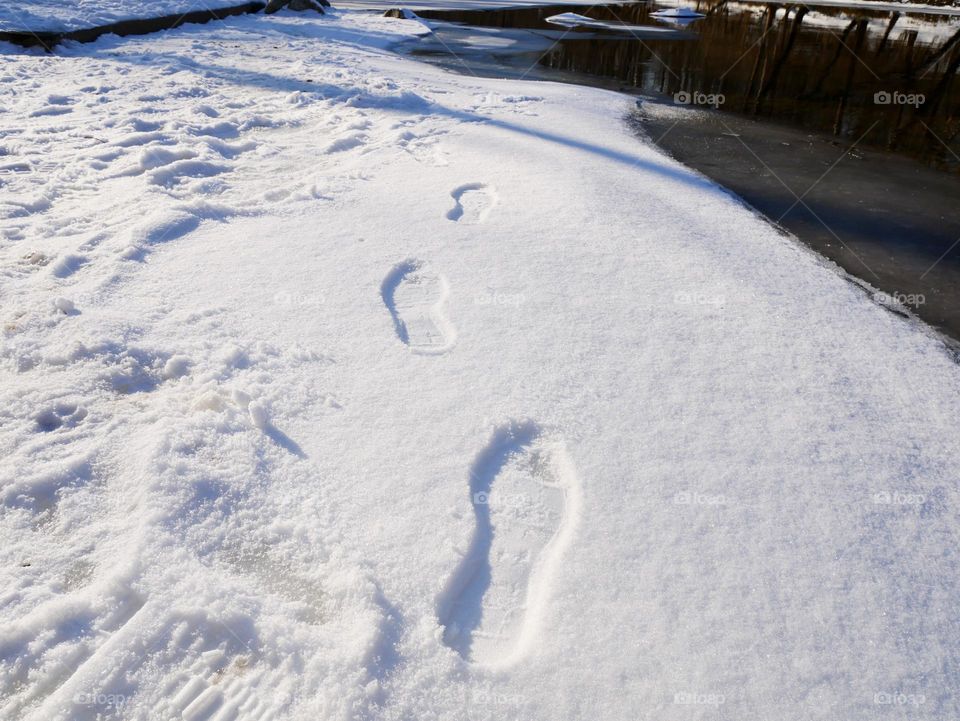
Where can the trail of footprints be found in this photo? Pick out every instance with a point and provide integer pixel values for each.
(523, 487)
(416, 294)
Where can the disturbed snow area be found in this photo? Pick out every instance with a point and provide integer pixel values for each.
(334, 386)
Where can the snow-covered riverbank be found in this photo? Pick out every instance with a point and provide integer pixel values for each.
(66, 15)
(335, 386)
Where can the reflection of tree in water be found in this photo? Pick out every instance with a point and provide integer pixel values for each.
(855, 73)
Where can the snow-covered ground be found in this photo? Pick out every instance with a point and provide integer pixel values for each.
(904, 8)
(63, 15)
(883, 7)
(335, 386)
(928, 30)
(60, 15)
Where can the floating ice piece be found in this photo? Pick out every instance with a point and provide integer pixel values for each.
(575, 20)
(678, 13)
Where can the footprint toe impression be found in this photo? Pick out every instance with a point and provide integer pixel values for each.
(415, 296)
(526, 497)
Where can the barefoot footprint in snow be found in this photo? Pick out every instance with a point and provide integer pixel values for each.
(526, 498)
(415, 296)
(472, 203)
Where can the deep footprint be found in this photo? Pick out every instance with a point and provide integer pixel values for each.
(415, 297)
(526, 497)
(472, 203)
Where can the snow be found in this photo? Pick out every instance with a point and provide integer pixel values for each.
(905, 8)
(61, 15)
(575, 20)
(929, 30)
(337, 386)
(681, 12)
(884, 7)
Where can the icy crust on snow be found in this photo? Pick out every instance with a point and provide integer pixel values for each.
(62, 15)
(334, 386)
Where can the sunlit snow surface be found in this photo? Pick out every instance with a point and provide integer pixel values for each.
(337, 386)
(60, 15)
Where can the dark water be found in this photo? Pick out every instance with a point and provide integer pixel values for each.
(883, 217)
(868, 78)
